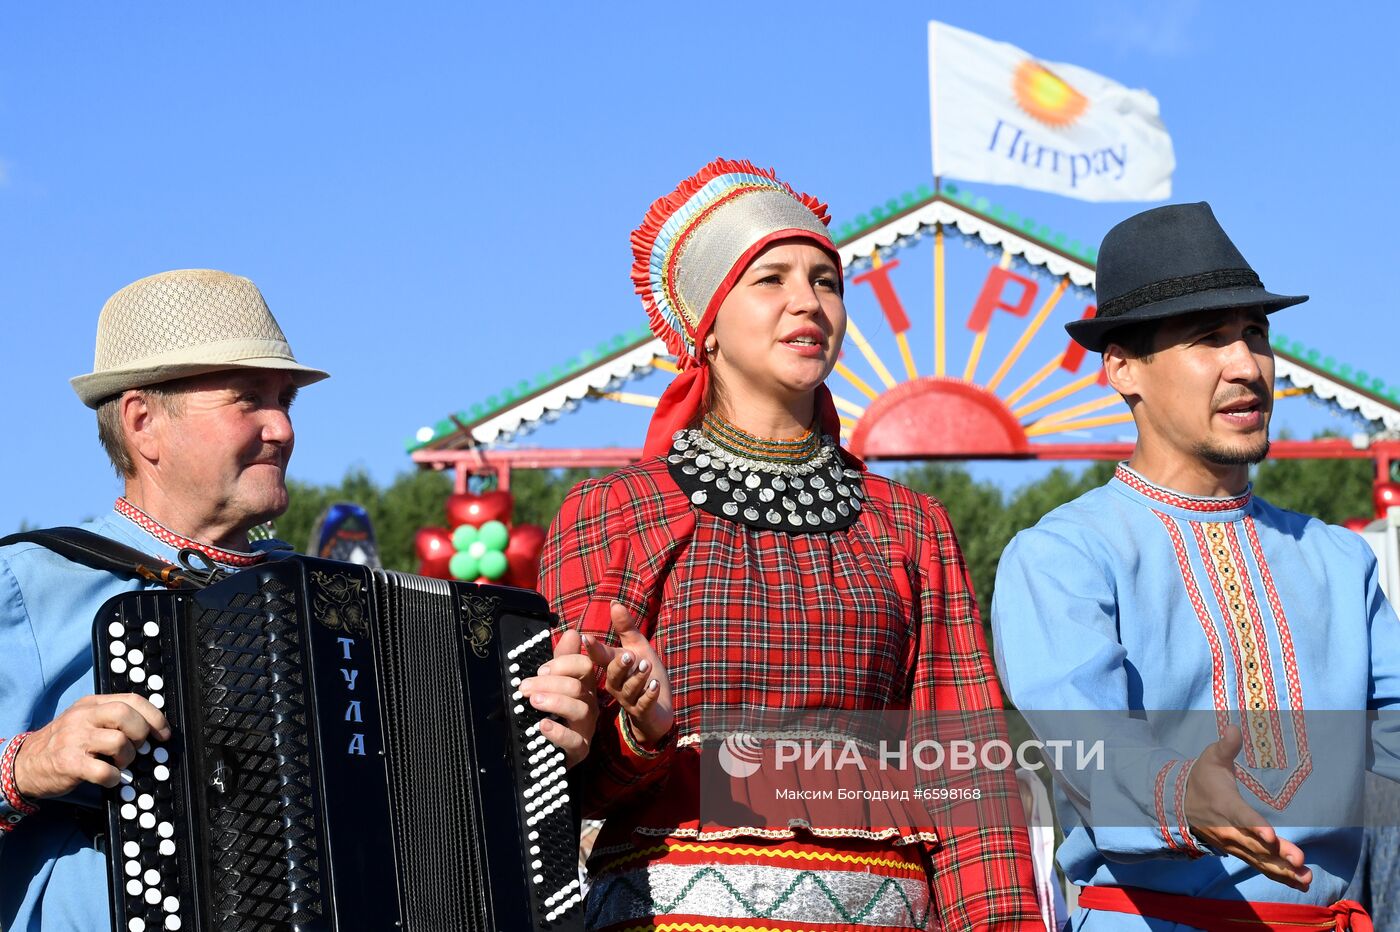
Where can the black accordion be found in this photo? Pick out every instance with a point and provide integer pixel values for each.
(350, 751)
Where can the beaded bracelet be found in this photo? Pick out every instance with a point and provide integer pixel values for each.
(21, 806)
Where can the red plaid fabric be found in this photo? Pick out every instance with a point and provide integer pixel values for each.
(879, 615)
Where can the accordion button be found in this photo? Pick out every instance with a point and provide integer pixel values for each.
(136, 656)
(118, 665)
(167, 847)
(132, 849)
(165, 830)
(151, 629)
(133, 888)
(152, 895)
(538, 878)
(156, 699)
(117, 648)
(145, 801)
(171, 904)
(161, 773)
(161, 755)
(126, 776)
(534, 849)
(128, 795)
(128, 811)
(172, 922)
(137, 924)
(137, 674)
(155, 681)
(145, 748)
(537, 864)
(116, 629)
(147, 820)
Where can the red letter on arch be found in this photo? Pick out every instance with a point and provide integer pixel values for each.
(992, 298)
(879, 280)
(1074, 353)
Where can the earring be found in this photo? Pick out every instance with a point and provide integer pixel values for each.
(711, 347)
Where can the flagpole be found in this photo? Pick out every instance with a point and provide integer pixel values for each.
(933, 96)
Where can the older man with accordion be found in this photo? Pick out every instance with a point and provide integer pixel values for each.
(200, 732)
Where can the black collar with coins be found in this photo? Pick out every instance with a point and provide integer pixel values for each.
(799, 486)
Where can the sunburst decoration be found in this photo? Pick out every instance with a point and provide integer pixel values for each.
(1046, 96)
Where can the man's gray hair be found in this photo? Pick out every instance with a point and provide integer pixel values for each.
(109, 423)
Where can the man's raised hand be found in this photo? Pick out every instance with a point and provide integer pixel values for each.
(90, 742)
(1219, 816)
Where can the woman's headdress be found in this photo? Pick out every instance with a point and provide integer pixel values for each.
(691, 248)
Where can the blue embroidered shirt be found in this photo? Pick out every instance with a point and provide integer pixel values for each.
(1134, 597)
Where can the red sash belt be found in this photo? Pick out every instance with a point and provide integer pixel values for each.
(1227, 915)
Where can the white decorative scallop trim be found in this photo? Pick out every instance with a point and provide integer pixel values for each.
(1338, 393)
(632, 363)
(988, 231)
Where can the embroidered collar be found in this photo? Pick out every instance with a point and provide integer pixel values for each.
(1200, 504)
(166, 536)
(797, 486)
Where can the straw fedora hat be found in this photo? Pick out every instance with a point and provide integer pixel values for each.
(184, 323)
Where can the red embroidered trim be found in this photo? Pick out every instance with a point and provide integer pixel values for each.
(1266, 664)
(21, 806)
(165, 535)
(1193, 592)
(1175, 499)
(1208, 561)
(1295, 686)
(1159, 797)
(1182, 777)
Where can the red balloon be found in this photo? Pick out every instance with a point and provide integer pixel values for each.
(476, 510)
(523, 555)
(1387, 496)
(523, 574)
(430, 543)
(1355, 524)
(526, 540)
(437, 567)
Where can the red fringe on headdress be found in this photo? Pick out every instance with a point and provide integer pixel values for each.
(644, 238)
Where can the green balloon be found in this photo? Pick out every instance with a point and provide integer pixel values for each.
(476, 549)
(494, 535)
(464, 536)
(463, 566)
(493, 564)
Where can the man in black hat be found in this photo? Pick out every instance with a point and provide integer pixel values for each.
(1174, 588)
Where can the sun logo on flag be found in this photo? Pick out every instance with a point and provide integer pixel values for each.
(1045, 96)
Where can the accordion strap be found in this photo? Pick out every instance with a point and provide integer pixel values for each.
(103, 553)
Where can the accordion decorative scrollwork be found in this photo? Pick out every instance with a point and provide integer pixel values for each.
(480, 611)
(338, 603)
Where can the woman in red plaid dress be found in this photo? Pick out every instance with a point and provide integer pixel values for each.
(768, 573)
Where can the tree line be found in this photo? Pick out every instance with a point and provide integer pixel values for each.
(984, 515)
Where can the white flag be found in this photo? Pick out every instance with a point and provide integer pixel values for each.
(1000, 115)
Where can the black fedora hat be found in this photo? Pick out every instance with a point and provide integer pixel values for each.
(1166, 262)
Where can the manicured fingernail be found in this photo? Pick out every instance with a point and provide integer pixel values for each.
(644, 666)
(627, 658)
(583, 639)
(544, 670)
(652, 686)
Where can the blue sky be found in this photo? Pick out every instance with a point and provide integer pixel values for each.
(435, 198)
